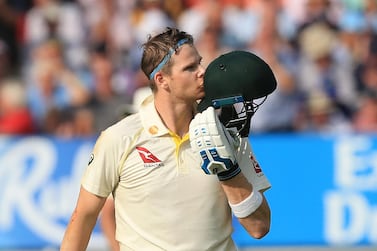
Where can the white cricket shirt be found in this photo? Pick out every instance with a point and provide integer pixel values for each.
(163, 199)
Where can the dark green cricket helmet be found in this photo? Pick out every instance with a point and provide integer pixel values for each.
(237, 77)
(237, 73)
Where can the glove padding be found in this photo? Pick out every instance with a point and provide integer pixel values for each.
(216, 146)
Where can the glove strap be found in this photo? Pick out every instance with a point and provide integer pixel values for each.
(226, 175)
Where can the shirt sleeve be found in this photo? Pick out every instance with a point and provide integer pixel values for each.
(101, 175)
(250, 166)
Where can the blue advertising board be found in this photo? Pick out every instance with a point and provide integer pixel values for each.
(39, 184)
(324, 190)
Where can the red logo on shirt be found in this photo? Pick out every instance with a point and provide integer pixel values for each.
(256, 165)
(146, 155)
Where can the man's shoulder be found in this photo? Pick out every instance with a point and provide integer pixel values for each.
(120, 134)
(126, 126)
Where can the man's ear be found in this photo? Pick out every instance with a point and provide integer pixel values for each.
(160, 80)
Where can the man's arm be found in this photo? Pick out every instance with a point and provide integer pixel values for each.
(107, 221)
(82, 222)
(218, 149)
(237, 189)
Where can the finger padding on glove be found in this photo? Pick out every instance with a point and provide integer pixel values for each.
(210, 139)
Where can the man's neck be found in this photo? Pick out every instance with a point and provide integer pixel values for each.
(176, 116)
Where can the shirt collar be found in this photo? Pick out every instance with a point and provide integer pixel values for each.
(150, 119)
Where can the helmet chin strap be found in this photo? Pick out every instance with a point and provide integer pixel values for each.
(238, 115)
(245, 127)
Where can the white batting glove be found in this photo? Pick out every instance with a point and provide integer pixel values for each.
(210, 139)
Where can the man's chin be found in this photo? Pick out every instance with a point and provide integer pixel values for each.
(201, 94)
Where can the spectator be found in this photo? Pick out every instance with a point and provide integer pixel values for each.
(319, 71)
(149, 17)
(366, 70)
(318, 12)
(84, 123)
(322, 116)
(365, 118)
(52, 84)
(59, 123)
(370, 12)
(241, 23)
(12, 13)
(109, 22)
(5, 65)
(199, 15)
(60, 20)
(15, 117)
(70, 123)
(335, 61)
(112, 89)
(209, 44)
(279, 112)
(352, 46)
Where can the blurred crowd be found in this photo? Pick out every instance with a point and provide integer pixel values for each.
(71, 68)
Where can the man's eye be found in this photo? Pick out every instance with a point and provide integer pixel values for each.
(192, 67)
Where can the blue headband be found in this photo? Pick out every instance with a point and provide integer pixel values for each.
(167, 57)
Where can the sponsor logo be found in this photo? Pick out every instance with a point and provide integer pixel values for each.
(148, 158)
(39, 184)
(91, 159)
(257, 167)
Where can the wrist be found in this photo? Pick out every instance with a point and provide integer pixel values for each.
(230, 173)
(248, 205)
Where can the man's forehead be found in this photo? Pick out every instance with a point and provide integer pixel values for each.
(186, 53)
